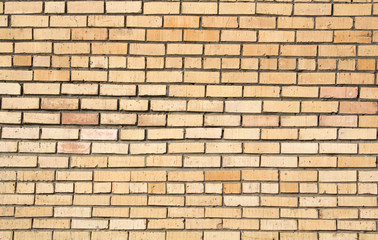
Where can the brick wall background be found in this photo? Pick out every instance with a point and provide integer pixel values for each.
(213, 120)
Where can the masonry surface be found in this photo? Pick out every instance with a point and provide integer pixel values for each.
(174, 120)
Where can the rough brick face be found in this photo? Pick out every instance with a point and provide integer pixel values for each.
(201, 120)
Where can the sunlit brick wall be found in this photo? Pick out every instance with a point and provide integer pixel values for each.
(182, 120)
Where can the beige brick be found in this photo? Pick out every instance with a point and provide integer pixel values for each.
(108, 234)
(345, 161)
(338, 213)
(314, 36)
(165, 133)
(184, 235)
(85, 7)
(184, 49)
(127, 224)
(71, 48)
(241, 133)
(281, 106)
(355, 78)
(18, 7)
(222, 120)
(221, 235)
(68, 21)
(146, 49)
(317, 225)
(89, 224)
(337, 148)
(219, 22)
(274, 8)
(279, 134)
(199, 8)
(146, 235)
(201, 77)
(312, 9)
(357, 201)
(277, 78)
(105, 21)
(56, 133)
(298, 235)
(318, 133)
(352, 9)
(223, 91)
(319, 107)
(32, 235)
(144, 21)
(334, 22)
(16, 199)
(161, 8)
(276, 36)
(33, 47)
(126, 34)
(89, 34)
(295, 22)
(337, 50)
(123, 7)
(222, 49)
(49, 34)
(181, 21)
(152, 120)
(279, 225)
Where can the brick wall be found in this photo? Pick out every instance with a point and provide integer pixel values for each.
(212, 120)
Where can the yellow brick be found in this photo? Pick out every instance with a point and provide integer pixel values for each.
(144, 21)
(33, 47)
(219, 22)
(68, 21)
(352, 37)
(295, 22)
(126, 34)
(274, 9)
(339, 50)
(184, 235)
(298, 235)
(317, 225)
(23, 7)
(123, 7)
(316, 78)
(222, 49)
(312, 9)
(276, 36)
(85, 7)
(279, 224)
(338, 213)
(299, 148)
(199, 8)
(277, 78)
(147, 235)
(221, 235)
(281, 106)
(238, 36)
(298, 50)
(319, 106)
(106, 21)
(71, 48)
(89, 34)
(146, 49)
(352, 9)
(54, 7)
(47, 34)
(29, 21)
(161, 8)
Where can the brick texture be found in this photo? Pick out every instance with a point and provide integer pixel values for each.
(200, 120)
